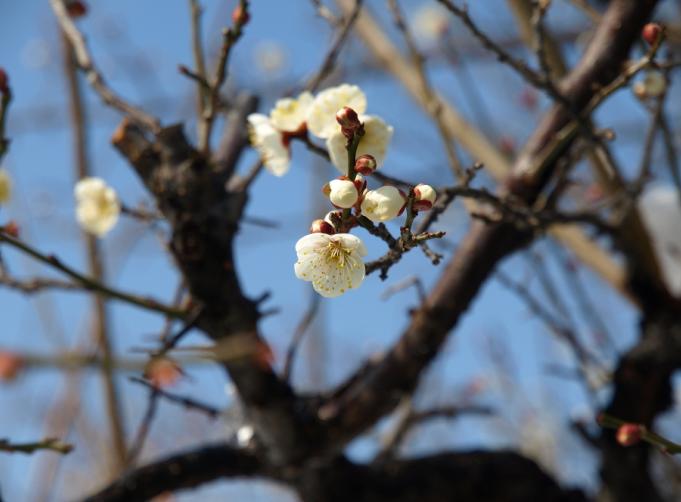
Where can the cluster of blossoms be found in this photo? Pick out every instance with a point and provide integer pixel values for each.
(295, 117)
(97, 206)
(330, 257)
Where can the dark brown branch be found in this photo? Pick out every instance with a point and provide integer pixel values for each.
(179, 472)
(378, 386)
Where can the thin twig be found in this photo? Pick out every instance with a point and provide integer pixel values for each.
(299, 333)
(90, 283)
(93, 75)
(433, 106)
(229, 38)
(187, 402)
(95, 261)
(329, 60)
(46, 444)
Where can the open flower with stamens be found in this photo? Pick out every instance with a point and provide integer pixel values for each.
(290, 114)
(321, 117)
(333, 263)
(269, 143)
(377, 135)
(97, 208)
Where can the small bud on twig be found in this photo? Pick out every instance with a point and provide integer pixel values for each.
(349, 121)
(630, 434)
(322, 227)
(651, 33)
(424, 197)
(240, 16)
(365, 164)
(76, 9)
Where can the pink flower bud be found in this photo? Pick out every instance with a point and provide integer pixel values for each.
(348, 118)
(10, 365)
(424, 197)
(629, 434)
(76, 9)
(240, 16)
(11, 229)
(365, 164)
(163, 372)
(651, 32)
(322, 227)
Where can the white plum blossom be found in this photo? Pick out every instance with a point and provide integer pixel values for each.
(289, 114)
(333, 263)
(383, 204)
(660, 208)
(377, 135)
(343, 193)
(321, 118)
(430, 22)
(5, 186)
(97, 206)
(269, 143)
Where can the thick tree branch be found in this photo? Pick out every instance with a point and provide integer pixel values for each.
(181, 471)
(378, 387)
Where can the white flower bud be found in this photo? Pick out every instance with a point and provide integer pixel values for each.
(383, 204)
(424, 197)
(343, 193)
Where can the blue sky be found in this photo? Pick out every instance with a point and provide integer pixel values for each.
(138, 46)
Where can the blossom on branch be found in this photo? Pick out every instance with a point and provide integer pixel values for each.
(321, 118)
(269, 143)
(377, 135)
(97, 206)
(383, 204)
(333, 263)
(290, 114)
(342, 193)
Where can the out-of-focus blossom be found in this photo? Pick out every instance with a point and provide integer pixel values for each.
(270, 57)
(660, 208)
(5, 186)
(653, 85)
(163, 372)
(429, 23)
(289, 114)
(333, 263)
(377, 135)
(97, 206)
(269, 143)
(321, 119)
(10, 365)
